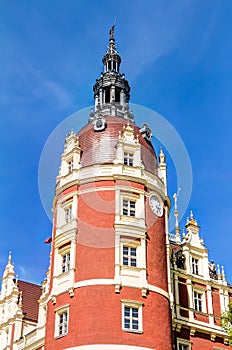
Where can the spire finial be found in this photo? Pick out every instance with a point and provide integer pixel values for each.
(112, 30)
(176, 214)
(162, 158)
(9, 257)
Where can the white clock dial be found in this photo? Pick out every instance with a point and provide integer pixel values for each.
(156, 205)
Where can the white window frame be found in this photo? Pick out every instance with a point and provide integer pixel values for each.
(63, 251)
(63, 310)
(129, 206)
(66, 261)
(70, 165)
(130, 255)
(68, 213)
(197, 301)
(132, 305)
(183, 342)
(199, 291)
(195, 265)
(128, 158)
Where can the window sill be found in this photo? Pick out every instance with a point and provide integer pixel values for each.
(132, 330)
(60, 336)
(63, 274)
(200, 312)
(128, 267)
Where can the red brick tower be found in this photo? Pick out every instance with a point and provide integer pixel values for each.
(108, 274)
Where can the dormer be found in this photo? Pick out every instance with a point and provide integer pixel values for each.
(128, 151)
(196, 255)
(70, 162)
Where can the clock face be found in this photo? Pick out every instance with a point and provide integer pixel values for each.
(156, 205)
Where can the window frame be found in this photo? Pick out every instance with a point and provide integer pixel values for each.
(195, 265)
(132, 305)
(184, 342)
(66, 262)
(70, 165)
(197, 302)
(128, 158)
(130, 257)
(68, 213)
(128, 209)
(63, 323)
(59, 312)
(64, 250)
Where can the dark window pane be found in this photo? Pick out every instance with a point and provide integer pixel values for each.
(127, 323)
(133, 251)
(135, 324)
(133, 262)
(134, 312)
(125, 261)
(125, 203)
(125, 250)
(127, 311)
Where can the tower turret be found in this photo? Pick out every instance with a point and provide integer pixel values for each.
(108, 276)
(111, 90)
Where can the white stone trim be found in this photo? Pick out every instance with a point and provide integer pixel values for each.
(110, 172)
(59, 311)
(137, 305)
(108, 281)
(94, 282)
(158, 290)
(201, 327)
(108, 347)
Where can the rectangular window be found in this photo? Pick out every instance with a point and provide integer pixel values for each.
(129, 256)
(197, 301)
(68, 214)
(128, 207)
(66, 262)
(195, 266)
(70, 166)
(183, 346)
(63, 323)
(131, 318)
(128, 158)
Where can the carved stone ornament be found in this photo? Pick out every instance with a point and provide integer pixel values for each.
(212, 270)
(99, 124)
(146, 131)
(180, 259)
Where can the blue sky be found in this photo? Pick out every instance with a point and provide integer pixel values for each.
(177, 58)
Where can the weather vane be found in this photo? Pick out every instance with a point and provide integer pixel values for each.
(112, 30)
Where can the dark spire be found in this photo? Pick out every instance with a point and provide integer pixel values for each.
(111, 91)
(111, 59)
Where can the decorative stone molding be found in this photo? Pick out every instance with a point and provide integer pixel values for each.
(71, 292)
(192, 331)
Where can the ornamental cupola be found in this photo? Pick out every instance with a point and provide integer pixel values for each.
(111, 90)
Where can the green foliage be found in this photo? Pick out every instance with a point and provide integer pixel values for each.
(226, 321)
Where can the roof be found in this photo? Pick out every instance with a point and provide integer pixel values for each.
(100, 147)
(30, 296)
(175, 247)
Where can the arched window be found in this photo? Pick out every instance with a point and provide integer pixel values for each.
(117, 94)
(107, 94)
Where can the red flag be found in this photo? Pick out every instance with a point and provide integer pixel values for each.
(48, 240)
